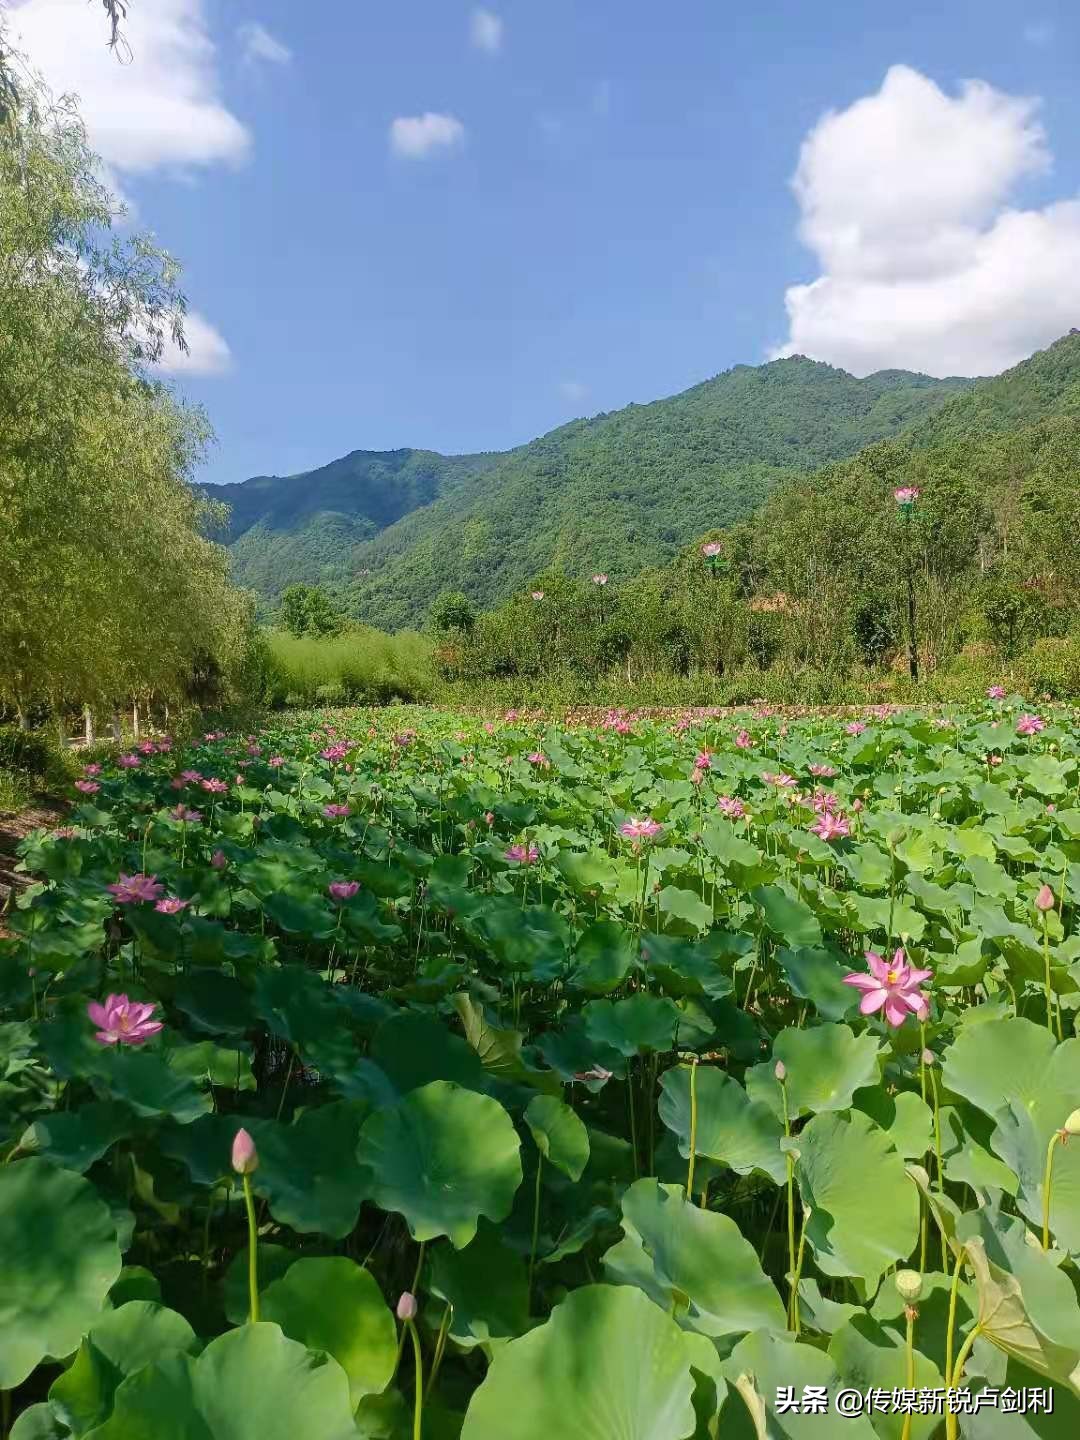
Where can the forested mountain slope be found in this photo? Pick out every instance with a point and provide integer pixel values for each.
(617, 492)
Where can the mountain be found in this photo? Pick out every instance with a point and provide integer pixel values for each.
(284, 528)
(617, 492)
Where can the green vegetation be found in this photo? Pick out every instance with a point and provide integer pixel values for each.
(812, 590)
(394, 1075)
(110, 587)
(619, 492)
(359, 666)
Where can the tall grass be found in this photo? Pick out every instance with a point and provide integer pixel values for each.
(361, 666)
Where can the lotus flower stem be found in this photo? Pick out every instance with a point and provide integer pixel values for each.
(253, 1251)
(909, 1366)
(1048, 1177)
(950, 1330)
(418, 1362)
(440, 1347)
(536, 1220)
(693, 1130)
(781, 1075)
(795, 1322)
(952, 1427)
(1052, 1010)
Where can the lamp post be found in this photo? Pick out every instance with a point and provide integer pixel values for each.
(906, 498)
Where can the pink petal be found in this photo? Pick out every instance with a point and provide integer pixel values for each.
(873, 1000)
(106, 1037)
(895, 1010)
(915, 1000)
(916, 977)
(878, 966)
(98, 1014)
(862, 982)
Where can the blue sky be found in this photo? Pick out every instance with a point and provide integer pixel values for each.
(610, 216)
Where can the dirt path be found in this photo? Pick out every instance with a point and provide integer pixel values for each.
(14, 827)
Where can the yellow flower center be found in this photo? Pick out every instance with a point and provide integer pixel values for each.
(893, 976)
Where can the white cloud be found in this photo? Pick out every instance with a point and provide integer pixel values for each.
(925, 264)
(417, 136)
(258, 44)
(573, 391)
(486, 31)
(162, 109)
(208, 352)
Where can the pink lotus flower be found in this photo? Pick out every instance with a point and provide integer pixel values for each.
(87, 787)
(732, 808)
(128, 762)
(644, 829)
(510, 716)
(907, 494)
(189, 817)
(743, 740)
(343, 889)
(121, 1021)
(703, 760)
(539, 759)
(245, 1157)
(823, 772)
(893, 987)
(215, 787)
(825, 802)
(538, 595)
(1030, 725)
(856, 727)
(147, 748)
(276, 761)
(91, 769)
(171, 905)
(599, 579)
(254, 749)
(831, 827)
(712, 549)
(783, 780)
(522, 854)
(996, 692)
(334, 752)
(596, 1073)
(335, 812)
(218, 860)
(135, 889)
(191, 777)
(489, 816)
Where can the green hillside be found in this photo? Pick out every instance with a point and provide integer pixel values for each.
(618, 492)
(306, 527)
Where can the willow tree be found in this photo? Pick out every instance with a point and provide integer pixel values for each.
(108, 584)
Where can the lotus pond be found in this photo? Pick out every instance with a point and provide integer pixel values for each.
(389, 1075)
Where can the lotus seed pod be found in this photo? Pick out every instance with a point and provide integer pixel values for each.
(910, 1285)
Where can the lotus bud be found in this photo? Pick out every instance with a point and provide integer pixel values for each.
(928, 1057)
(218, 860)
(1072, 1124)
(910, 1285)
(245, 1158)
(780, 1071)
(406, 1306)
(1044, 900)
